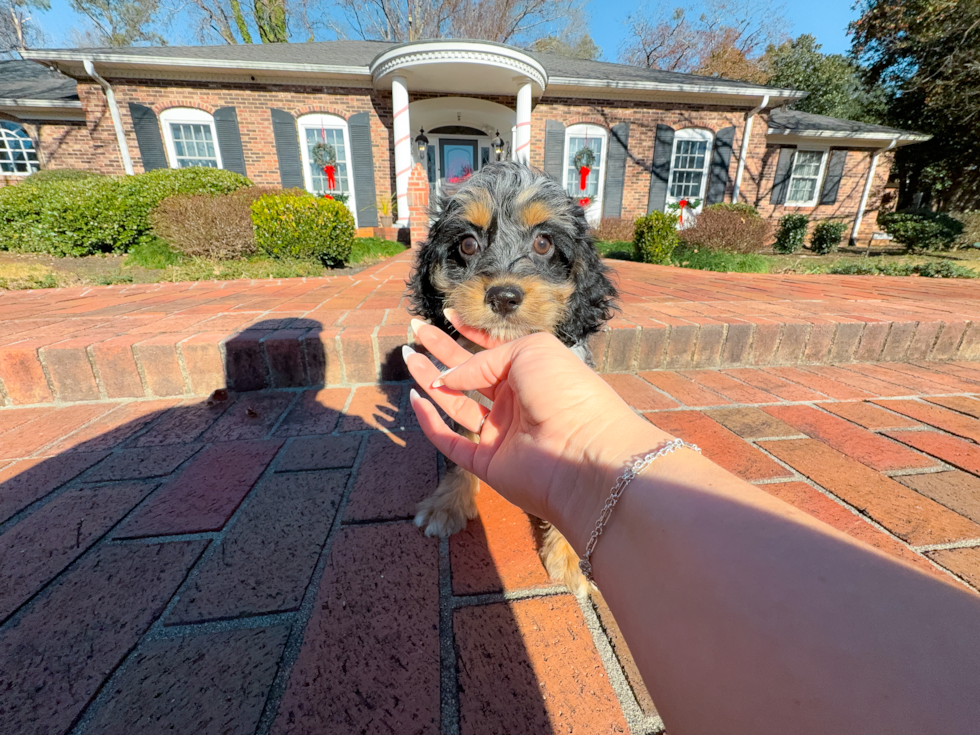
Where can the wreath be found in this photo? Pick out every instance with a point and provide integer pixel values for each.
(583, 163)
(324, 154)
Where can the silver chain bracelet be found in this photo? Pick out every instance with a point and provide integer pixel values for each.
(641, 464)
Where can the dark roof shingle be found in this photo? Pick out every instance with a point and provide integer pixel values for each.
(27, 80)
(786, 120)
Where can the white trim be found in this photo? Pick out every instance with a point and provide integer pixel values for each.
(458, 52)
(593, 213)
(823, 151)
(696, 134)
(186, 116)
(708, 88)
(63, 104)
(317, 121)
(911, 137)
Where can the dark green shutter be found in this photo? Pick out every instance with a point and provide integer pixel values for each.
(831, 180)
(612, 195)
(721, 156)
(148, 137)
(784, 168)
(229, 140)
(287, 150)
(554, 149)
(362, 162)
(660, 170)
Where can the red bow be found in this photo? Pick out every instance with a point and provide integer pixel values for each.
(583, 175)
(584, 201)
(329, 171)
(682, 203)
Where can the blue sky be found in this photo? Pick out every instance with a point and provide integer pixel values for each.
(827, 21)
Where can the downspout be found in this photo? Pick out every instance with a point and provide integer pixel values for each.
(113, 113)
(866, 192)
(743, 152)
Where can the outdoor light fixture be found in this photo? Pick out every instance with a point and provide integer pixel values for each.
(422, 143)
(498, 146)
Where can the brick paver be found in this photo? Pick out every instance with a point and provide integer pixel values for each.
(248, 564)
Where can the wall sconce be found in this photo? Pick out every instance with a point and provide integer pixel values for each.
(422, 143)
(498, 146)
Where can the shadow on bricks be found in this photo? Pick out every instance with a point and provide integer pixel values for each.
(248, 564)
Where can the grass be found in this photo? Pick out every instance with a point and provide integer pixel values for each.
(958, 264)
(156, 261)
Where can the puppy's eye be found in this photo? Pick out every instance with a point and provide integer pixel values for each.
(468, 246)
(542, 245)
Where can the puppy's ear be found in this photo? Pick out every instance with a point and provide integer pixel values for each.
(426, 300)
(593, 301)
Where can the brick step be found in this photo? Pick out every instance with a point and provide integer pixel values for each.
(300, 352)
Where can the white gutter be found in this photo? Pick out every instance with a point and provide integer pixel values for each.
(867, 190)
(914, 137)
(114, 113)
(743, 151)
(710, 88)
(55, 104)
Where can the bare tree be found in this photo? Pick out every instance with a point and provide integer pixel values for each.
(518, 22)
(18, 29)
(723, 40)
(118, 22)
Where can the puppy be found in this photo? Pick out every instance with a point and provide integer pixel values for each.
(511, 253)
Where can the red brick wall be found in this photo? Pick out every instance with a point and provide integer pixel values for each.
(643, 118)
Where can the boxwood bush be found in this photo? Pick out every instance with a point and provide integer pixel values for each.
(791, 233)
(303, 227)
(97, 214)
(730, 229)
(655, 237)
(826, 237)
(921, 229)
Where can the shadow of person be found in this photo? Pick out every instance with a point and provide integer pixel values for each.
(249, 559)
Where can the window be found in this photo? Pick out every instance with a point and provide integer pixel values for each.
(805, 178)
(191, 138)
(689, 162)
(17, 152)
(593, 137)
(331, 130)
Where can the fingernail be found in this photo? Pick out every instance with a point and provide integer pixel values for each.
(406, 352)
(449, 314)
(439, 382)
(416, 323)
(414, 395)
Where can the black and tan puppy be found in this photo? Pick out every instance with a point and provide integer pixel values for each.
(511, 253)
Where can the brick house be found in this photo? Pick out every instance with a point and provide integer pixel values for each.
(450, 106)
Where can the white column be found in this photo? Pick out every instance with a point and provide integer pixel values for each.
(522, 142)
(403, 146)
(864, 195)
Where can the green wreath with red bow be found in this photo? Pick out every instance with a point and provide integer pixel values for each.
(583, 162)
(325, 156)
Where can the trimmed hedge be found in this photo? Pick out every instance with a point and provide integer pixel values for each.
(655, 237)
(922, 229)
(791, 234)
(744, 209)
(58, 174)
(728, 229)
(98, 214)
(826, 237)
(303, 227)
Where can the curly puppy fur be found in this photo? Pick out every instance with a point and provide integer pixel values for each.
(524, 233)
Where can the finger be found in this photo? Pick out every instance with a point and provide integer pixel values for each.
(461, 409)
(441, 345)
(482, 371)
(457, 448)
(476, 336)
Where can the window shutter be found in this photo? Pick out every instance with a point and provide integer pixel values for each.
(229, 140)
(554, 149)
(362, 162)
(660, 170)
(721, 156)
(831, 180)
(148, 137)
(287, 150)
(784, 168)
(612, 196)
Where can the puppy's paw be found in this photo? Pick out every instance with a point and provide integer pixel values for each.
(444, 515)
(561, 562)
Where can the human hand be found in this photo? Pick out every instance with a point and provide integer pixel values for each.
(557, 436)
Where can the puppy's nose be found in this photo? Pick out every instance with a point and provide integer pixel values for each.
(504, 299)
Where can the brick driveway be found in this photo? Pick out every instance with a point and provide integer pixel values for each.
(249, 566)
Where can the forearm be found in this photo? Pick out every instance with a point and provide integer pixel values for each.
(746, 615)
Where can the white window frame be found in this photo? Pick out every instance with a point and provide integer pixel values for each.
(317, 121)
(593, 213)
(6, 133)
(187, 116)
(812, 202)
(699, 135)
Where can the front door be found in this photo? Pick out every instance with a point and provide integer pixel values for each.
(457, 159)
